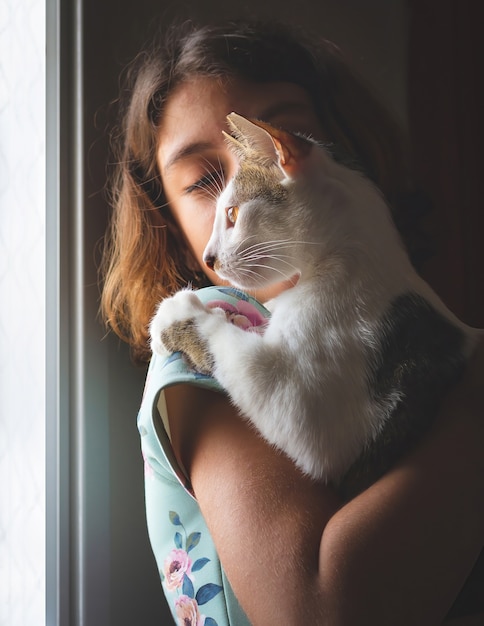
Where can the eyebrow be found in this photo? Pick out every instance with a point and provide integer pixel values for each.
(187, 151)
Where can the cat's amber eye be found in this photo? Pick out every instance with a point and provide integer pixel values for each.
(232, 213)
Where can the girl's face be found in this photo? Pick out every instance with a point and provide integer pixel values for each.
(194, 160)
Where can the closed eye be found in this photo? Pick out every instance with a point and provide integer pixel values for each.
(212, 182)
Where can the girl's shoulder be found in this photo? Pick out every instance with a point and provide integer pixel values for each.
(192, 577)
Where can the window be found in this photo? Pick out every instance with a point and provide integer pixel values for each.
(22, 312)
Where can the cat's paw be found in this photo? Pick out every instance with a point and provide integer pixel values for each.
(176, 328)
(181, 307)
(185, 337)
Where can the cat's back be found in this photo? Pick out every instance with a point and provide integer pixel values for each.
(421, 352)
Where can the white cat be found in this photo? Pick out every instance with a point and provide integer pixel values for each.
(357, 355)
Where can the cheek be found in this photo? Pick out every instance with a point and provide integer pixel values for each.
(201, 234)
(196, 225)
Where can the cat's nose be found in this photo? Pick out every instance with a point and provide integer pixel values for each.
(209, 261)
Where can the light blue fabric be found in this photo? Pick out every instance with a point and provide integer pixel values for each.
(194, 583)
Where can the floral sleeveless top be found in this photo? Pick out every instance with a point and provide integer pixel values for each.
(194, 583)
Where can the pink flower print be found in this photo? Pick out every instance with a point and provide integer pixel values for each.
(177, 564)
(187, 612)
(243, 314)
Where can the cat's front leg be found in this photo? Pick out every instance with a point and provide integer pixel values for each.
(176, 328)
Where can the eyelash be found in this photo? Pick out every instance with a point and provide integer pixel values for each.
(212, 179)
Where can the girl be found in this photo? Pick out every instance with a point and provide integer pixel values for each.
(225, 511)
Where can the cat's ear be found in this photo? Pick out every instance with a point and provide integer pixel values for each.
(249, 139)
(291, 149)
(273, 144)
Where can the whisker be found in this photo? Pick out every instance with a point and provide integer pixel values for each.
(268, 248)
(281, 260)
(275, 258)
(274, 269)
(273, 245)
(251, 261)
(241, 243)
(265, 251)
(268, 244)
(218, 178)
(254, 275)
(261, 254)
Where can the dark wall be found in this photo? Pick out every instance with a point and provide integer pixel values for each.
(445, 105)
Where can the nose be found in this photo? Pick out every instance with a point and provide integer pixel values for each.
(210, 261)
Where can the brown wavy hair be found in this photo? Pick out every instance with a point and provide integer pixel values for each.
(145, 256)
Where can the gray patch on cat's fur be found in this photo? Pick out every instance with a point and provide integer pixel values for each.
(421, 355)
(184, 337)
(254, 182)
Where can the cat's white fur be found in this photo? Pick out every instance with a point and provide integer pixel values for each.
(303, 383)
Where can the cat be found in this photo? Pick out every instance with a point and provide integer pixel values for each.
(356, 356)
(351, 368)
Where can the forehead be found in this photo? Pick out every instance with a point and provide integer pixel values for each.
(195, 114)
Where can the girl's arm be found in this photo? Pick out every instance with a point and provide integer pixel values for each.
(397, 554)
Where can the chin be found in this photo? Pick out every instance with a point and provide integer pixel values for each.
(264, 288)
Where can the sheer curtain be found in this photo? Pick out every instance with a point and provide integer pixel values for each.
(22, 312)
